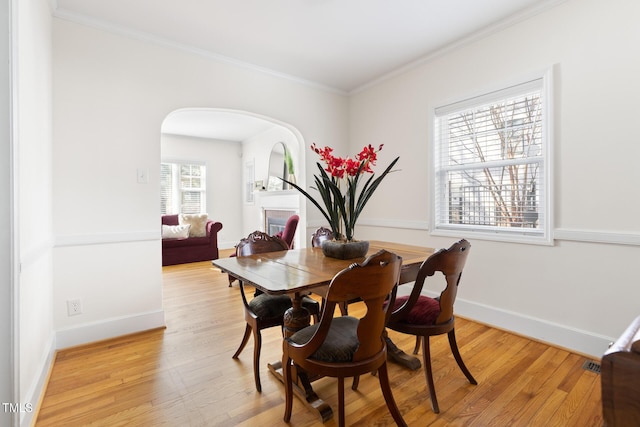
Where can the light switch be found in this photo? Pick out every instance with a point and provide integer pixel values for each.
(143, 176)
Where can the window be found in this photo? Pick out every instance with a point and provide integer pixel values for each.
(182, 188)
(492, 166)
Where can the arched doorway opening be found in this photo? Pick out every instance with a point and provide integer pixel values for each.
(236, 147)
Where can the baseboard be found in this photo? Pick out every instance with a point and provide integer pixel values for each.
(562, 336)
(38, 387)
(575, 340)
(110, 328)
(226, 245)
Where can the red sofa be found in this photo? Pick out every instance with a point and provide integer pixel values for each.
(190, 249)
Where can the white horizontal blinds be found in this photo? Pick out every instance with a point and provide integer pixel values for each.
(490, 161)
(166, 189)
(182, 188)
(192, 188)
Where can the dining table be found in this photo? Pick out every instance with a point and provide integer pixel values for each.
(299, 272)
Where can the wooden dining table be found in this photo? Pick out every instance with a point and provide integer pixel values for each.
(298, 272)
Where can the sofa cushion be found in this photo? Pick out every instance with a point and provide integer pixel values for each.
(191, 241)
(175, 231)
(198, 223)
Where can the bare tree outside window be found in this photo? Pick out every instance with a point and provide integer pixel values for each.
(491, 161)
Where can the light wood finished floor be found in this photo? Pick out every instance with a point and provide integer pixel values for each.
(184, 375)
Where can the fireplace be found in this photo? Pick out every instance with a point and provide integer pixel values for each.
(275, 220)
(276, 207)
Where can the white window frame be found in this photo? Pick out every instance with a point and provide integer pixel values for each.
(541, 235)
(176, 199)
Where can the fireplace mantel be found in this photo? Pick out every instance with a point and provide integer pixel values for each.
(286, 199)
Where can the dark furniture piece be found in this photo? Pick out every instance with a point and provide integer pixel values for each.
(424, 317)
(619, 372)
(287, 235)
(346, 346)
(320, 235)
(289, 230)
(190, 249)
(264, 310)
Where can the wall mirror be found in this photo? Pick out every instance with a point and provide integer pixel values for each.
(280, 166)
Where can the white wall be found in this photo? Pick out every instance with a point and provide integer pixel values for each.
(34, 287)
(577, 294)
(223, 160)
(111, 94)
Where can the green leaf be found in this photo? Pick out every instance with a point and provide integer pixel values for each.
(370, 187)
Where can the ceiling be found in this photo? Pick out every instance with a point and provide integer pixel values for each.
(214, 124)
(338, 44)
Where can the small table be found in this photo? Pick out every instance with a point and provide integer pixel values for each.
(297, 272)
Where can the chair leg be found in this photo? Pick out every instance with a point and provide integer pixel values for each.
(231, 279)
(383, 376)
(341, 422)
(426, 355)
(458, 357)
(344, 308)
(356, 382)
(417, 347)
(288, 388)
(257, 345)
(245, 339)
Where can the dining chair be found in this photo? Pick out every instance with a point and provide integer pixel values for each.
(346, 346)
(264, 310)
(287, 235)
(423, 316)
(319, 236)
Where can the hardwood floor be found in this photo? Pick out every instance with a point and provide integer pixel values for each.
(184, 375)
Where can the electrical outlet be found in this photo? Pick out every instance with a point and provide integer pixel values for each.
(74, 307)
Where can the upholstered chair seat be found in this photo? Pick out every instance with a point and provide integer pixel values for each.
(268, 306)
(424, 312)
(341, 342)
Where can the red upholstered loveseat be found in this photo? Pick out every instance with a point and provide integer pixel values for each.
(190, 249)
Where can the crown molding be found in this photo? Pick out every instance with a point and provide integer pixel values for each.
(516, 18)
(111, 27)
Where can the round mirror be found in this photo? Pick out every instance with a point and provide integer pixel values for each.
(280, 166)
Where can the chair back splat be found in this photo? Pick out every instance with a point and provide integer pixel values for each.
(259, 242)
(319, 236)
(286, 236)
(346, 346)
(424, 317)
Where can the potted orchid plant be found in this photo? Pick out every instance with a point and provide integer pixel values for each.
(343, 189)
